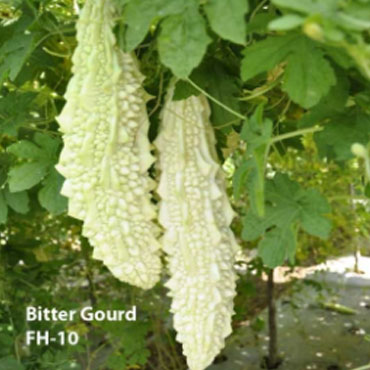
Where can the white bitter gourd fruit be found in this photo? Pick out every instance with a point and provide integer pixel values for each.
(196, 215)
(106, 151)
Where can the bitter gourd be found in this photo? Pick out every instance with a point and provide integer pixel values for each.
(106, 152)
(196, 215)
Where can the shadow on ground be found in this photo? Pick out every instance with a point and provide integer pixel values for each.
(311, 336)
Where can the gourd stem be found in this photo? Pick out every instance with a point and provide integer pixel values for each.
(262, 91)
(272, 360)
(295, 133)
(288, 136)
(210, 97)
(59, 31)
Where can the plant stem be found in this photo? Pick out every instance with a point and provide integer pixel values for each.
(59, 31)
(54, 53)
(89, 273)
(356, 249)
(272, 360)
(236, 114)
(295, 133)
(261, 91)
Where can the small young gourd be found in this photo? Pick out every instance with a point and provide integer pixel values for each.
(106, 152)
(196, 215)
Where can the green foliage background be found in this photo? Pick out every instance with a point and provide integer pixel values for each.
(288, 84)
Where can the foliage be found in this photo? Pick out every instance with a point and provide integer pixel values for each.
(308, 76)
(288, 207)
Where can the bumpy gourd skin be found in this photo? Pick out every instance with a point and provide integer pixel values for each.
(196, 215)
(106, 152)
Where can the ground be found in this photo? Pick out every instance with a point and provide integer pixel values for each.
(311, 336)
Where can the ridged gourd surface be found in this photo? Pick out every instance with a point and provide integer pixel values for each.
(196, 215)
(106, 152)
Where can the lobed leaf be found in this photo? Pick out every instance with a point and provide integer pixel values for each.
(139, 15)
(227, 18)
(183, 41)
(49, 195)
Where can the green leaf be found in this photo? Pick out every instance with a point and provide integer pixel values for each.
(14, 54)
(353, 23)
(253, 226)
(308, 6)
(26, 150)
(331, 104)
(26, 175)
(286, 22)
(49, 144)
(308, 75)
(281, 191)
(337, 25)
(313, 208)
(15, 110)
(139, 15)
(227, 18)
(116, 360)
(183, 40)
(264, 55)
(287, 206)
(339, 56)
(355, 16)
(335, 141)
(133, 343)
(3, 208)
(277, 246)
(259, 23)
(49, 196)
(307, 206)
(19, 202)
(16, 45)
(316, 226)
(10, 362)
